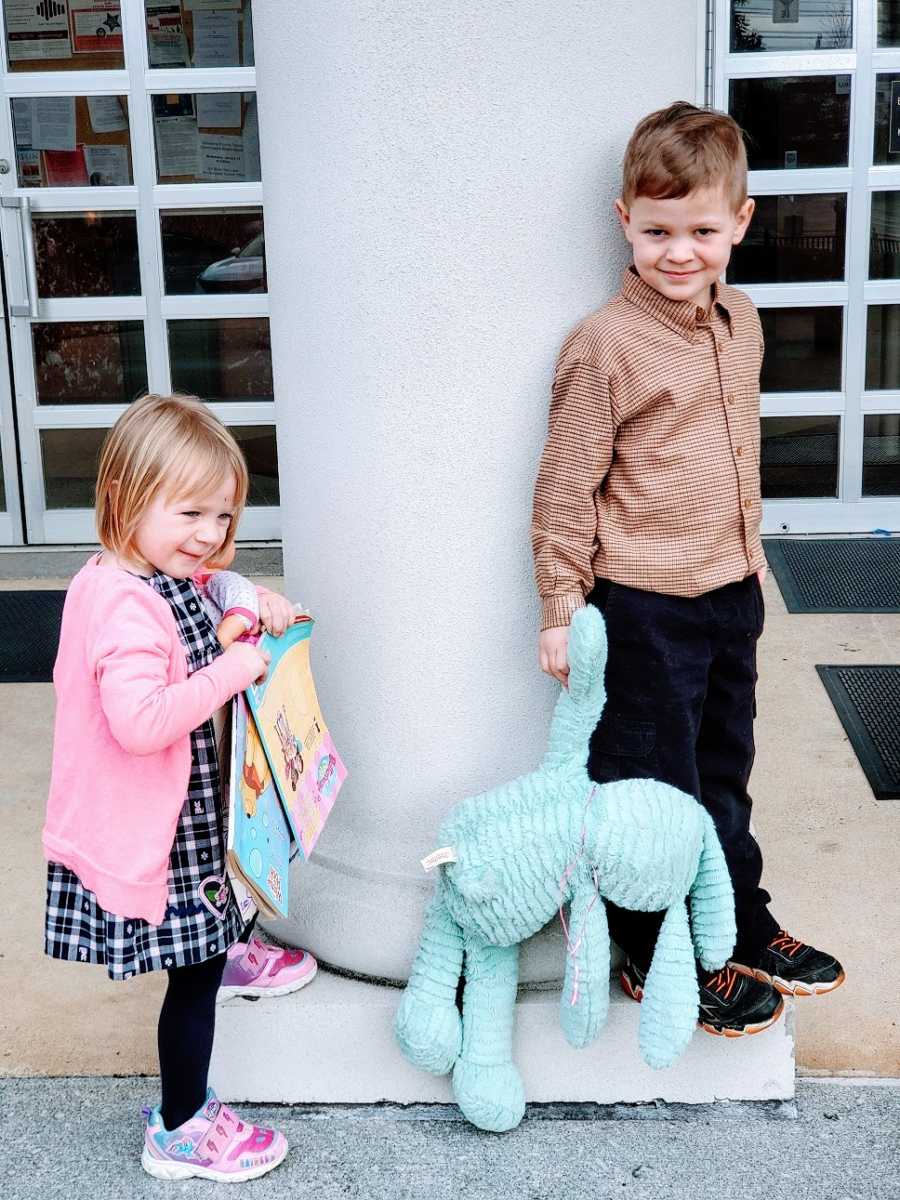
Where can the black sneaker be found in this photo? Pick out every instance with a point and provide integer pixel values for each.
(731, 1004)
(796, 969)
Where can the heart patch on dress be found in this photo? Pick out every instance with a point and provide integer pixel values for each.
(214, 895)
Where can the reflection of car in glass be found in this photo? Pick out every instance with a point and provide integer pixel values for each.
(244, 271)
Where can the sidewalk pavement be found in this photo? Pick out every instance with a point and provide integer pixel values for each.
(80, 1139)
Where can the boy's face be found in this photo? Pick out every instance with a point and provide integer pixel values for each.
(682, 246)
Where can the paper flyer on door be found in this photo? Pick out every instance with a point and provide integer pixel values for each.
(305, 764)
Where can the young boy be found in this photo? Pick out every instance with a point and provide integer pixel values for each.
(648, 505)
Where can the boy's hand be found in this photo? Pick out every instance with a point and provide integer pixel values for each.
(275, 612)
(254, 661)
(762, 573)
(553, 653)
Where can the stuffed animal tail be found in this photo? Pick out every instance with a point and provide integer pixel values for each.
(712, 903)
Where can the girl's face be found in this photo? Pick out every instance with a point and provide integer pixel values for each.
(179, 536)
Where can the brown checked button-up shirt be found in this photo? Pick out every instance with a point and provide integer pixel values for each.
(650, 473)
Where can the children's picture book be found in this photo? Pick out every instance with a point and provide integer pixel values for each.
(259, 837)
(306, 767)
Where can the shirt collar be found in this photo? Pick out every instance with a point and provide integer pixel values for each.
(683, 316)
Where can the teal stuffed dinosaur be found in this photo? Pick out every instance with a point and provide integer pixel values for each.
(512, 856)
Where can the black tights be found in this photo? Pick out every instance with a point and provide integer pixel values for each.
(187, 1023)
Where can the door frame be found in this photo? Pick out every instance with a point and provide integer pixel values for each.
(146, 198)
(850, 511)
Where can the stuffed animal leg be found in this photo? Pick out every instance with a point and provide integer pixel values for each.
(671, 993)
(585, 997)
(427, 1024)
(487, 1086)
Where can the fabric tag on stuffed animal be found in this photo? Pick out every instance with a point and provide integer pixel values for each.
(436, 858)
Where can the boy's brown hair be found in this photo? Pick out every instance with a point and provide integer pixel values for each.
(681, 148)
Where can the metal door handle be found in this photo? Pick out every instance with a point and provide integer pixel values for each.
(30, 307)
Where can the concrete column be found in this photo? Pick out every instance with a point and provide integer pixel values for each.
(438, 188)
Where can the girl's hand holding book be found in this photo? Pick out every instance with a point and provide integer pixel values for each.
(255, 661)
(276, 612)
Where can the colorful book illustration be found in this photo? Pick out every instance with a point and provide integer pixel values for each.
(306, 768)
(259, 838)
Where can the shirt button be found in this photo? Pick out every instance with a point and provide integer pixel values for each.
(729, 399)
(748, 504)
(739, 451)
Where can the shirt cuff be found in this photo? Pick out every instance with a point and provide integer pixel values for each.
(245, 615)
(558, 610)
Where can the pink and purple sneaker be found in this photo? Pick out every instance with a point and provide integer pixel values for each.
(214, 1144)
(257, 969)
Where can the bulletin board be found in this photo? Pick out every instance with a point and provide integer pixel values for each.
(72, 141)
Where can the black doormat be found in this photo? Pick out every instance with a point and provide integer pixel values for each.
(29, 635)
(837, 575)
(867, 700)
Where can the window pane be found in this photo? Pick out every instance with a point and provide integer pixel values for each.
(888, 23)
(72, 141)
(801, 121)
(793, 239)
(803, 349)
(219, 35)
(89, 362)
(884, 238)
(799, 456)
(887, 119)
(258, 445)
(86, 254)
(779, 25)
(883, 347)
(222, 358)
(881, 455)
(39, 37)
(211, 137)
(70, 458)
(213, 250)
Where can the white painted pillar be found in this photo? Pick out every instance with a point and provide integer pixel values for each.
(438, 184)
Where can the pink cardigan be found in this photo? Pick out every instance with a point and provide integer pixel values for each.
(121, 746)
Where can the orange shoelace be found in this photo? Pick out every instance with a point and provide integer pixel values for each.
(785, 943)
(723, 982)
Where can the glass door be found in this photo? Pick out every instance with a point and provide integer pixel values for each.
(133, 239)
(810, 82)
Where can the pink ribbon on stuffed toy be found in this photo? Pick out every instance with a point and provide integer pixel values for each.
(572, 948)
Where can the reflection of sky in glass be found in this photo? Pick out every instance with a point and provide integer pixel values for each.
(817, 25)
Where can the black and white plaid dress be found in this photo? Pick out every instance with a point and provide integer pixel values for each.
(202, 918)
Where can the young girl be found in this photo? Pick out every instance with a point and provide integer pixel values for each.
(133, 835)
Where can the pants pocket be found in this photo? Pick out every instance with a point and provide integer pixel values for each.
(625, 737)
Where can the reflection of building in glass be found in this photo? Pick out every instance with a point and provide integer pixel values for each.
(777, 26)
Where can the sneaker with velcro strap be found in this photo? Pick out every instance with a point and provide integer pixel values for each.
(731, 1004)
(794, 968)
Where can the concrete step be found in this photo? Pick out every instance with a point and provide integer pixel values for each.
(332, 1042)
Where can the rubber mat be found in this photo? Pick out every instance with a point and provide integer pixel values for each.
(29, 635)
(837, 575)
(867, 700)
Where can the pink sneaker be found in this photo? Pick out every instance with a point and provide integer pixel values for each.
(214, 1144)
(257, 969)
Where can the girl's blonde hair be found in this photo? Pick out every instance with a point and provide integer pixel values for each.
(168, 444)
